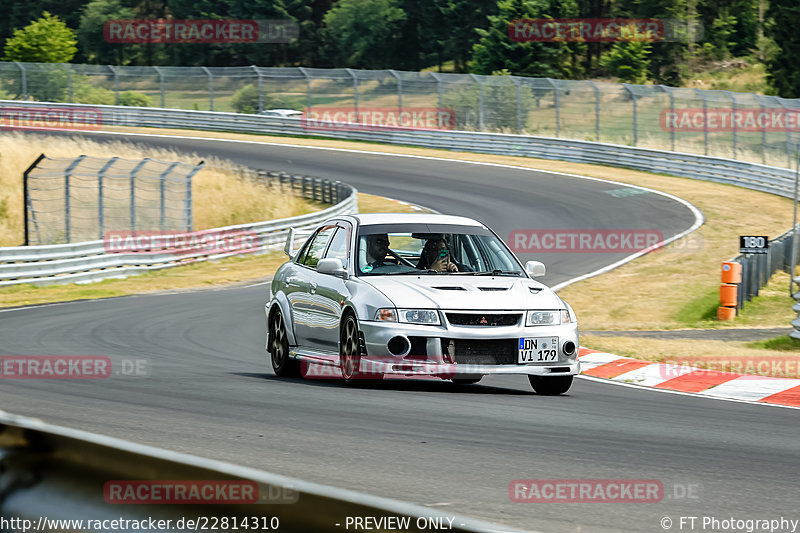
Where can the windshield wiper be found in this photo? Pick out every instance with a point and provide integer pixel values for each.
(495, 272)
(415, 272)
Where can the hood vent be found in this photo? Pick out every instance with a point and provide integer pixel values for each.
(493, 288)
(451, 288)
(534, 290)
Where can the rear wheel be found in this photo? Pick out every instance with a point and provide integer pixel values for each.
(550, 386)
(350, 354)
(282, 364)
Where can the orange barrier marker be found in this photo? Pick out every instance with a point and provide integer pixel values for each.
(727, 295)
(731, 272)
(726, 313)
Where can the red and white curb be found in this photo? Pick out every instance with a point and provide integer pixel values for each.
(686, 379)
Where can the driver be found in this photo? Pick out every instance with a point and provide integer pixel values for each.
(377, 248)
(436, 256)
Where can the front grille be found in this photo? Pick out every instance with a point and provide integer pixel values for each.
(482, 351)
(488, 319)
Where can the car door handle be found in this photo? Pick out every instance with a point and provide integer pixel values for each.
(292, 284)
(313, 286)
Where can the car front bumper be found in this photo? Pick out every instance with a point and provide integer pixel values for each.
(429, 356)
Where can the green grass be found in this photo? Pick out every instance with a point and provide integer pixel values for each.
(701, 310)
(784, 343)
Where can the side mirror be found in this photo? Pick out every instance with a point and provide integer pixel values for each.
(287, 249)
(332, 266)
(535, 269)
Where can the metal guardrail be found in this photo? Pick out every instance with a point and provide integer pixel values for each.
(757, 269)
(90, 261)
(770, 179)
(67, 472)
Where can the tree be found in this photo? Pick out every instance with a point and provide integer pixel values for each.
(628, 61)
(365, 33)
(496, 51)
(46, 40)
(93, 47)
(782, 72)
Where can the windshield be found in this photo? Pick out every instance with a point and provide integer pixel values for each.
(399, 250)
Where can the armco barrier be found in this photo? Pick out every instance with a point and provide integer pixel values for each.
(50, 473)
(774, 180)
(89, 261)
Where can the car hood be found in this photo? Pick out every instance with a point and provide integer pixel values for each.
(465, 292)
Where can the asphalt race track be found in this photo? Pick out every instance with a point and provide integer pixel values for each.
(210, 391)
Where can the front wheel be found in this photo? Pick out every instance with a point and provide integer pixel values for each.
(350, 354)
(282, 364)
(550, 386)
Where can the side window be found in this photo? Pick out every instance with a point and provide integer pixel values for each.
(317, 247)
(339, 245)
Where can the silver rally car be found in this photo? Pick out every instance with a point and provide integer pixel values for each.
(372, 295)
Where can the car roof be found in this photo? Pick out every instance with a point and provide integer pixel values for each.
(369, 219)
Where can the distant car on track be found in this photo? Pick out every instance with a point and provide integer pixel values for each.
(281, 113)
(371, 295)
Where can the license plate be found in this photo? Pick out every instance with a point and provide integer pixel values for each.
(537, 350)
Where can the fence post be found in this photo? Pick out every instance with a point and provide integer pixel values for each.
(136, 169)
(480, 101)
(116, 83)
(635, 118)
(557, 103)
(763, 130)
(705, 120)
(596, 110)
(260, 88)
(355, 91)
(399, 90)
(189, 176)
(161, 85)
(733, 121)
(26, 199)
(67, 174)
(210, 88)
(69, 82)
(100, 176)
(23, 79)
(161, 180)
(519, 103)
(308, 90)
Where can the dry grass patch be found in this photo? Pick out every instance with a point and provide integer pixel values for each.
(722, 356)
(220, 197)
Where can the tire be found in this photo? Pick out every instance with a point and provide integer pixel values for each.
(282, 364)
(466, 381)
(550, 386)
(350, 354)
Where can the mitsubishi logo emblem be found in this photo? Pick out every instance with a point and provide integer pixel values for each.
(483, 320)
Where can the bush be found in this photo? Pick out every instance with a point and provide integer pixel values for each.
(86, 94)
(130, 98)
(245, 100)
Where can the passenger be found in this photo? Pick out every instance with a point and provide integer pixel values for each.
(436, 256)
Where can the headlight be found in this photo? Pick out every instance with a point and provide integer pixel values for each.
(409, 316)
(547, 318)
